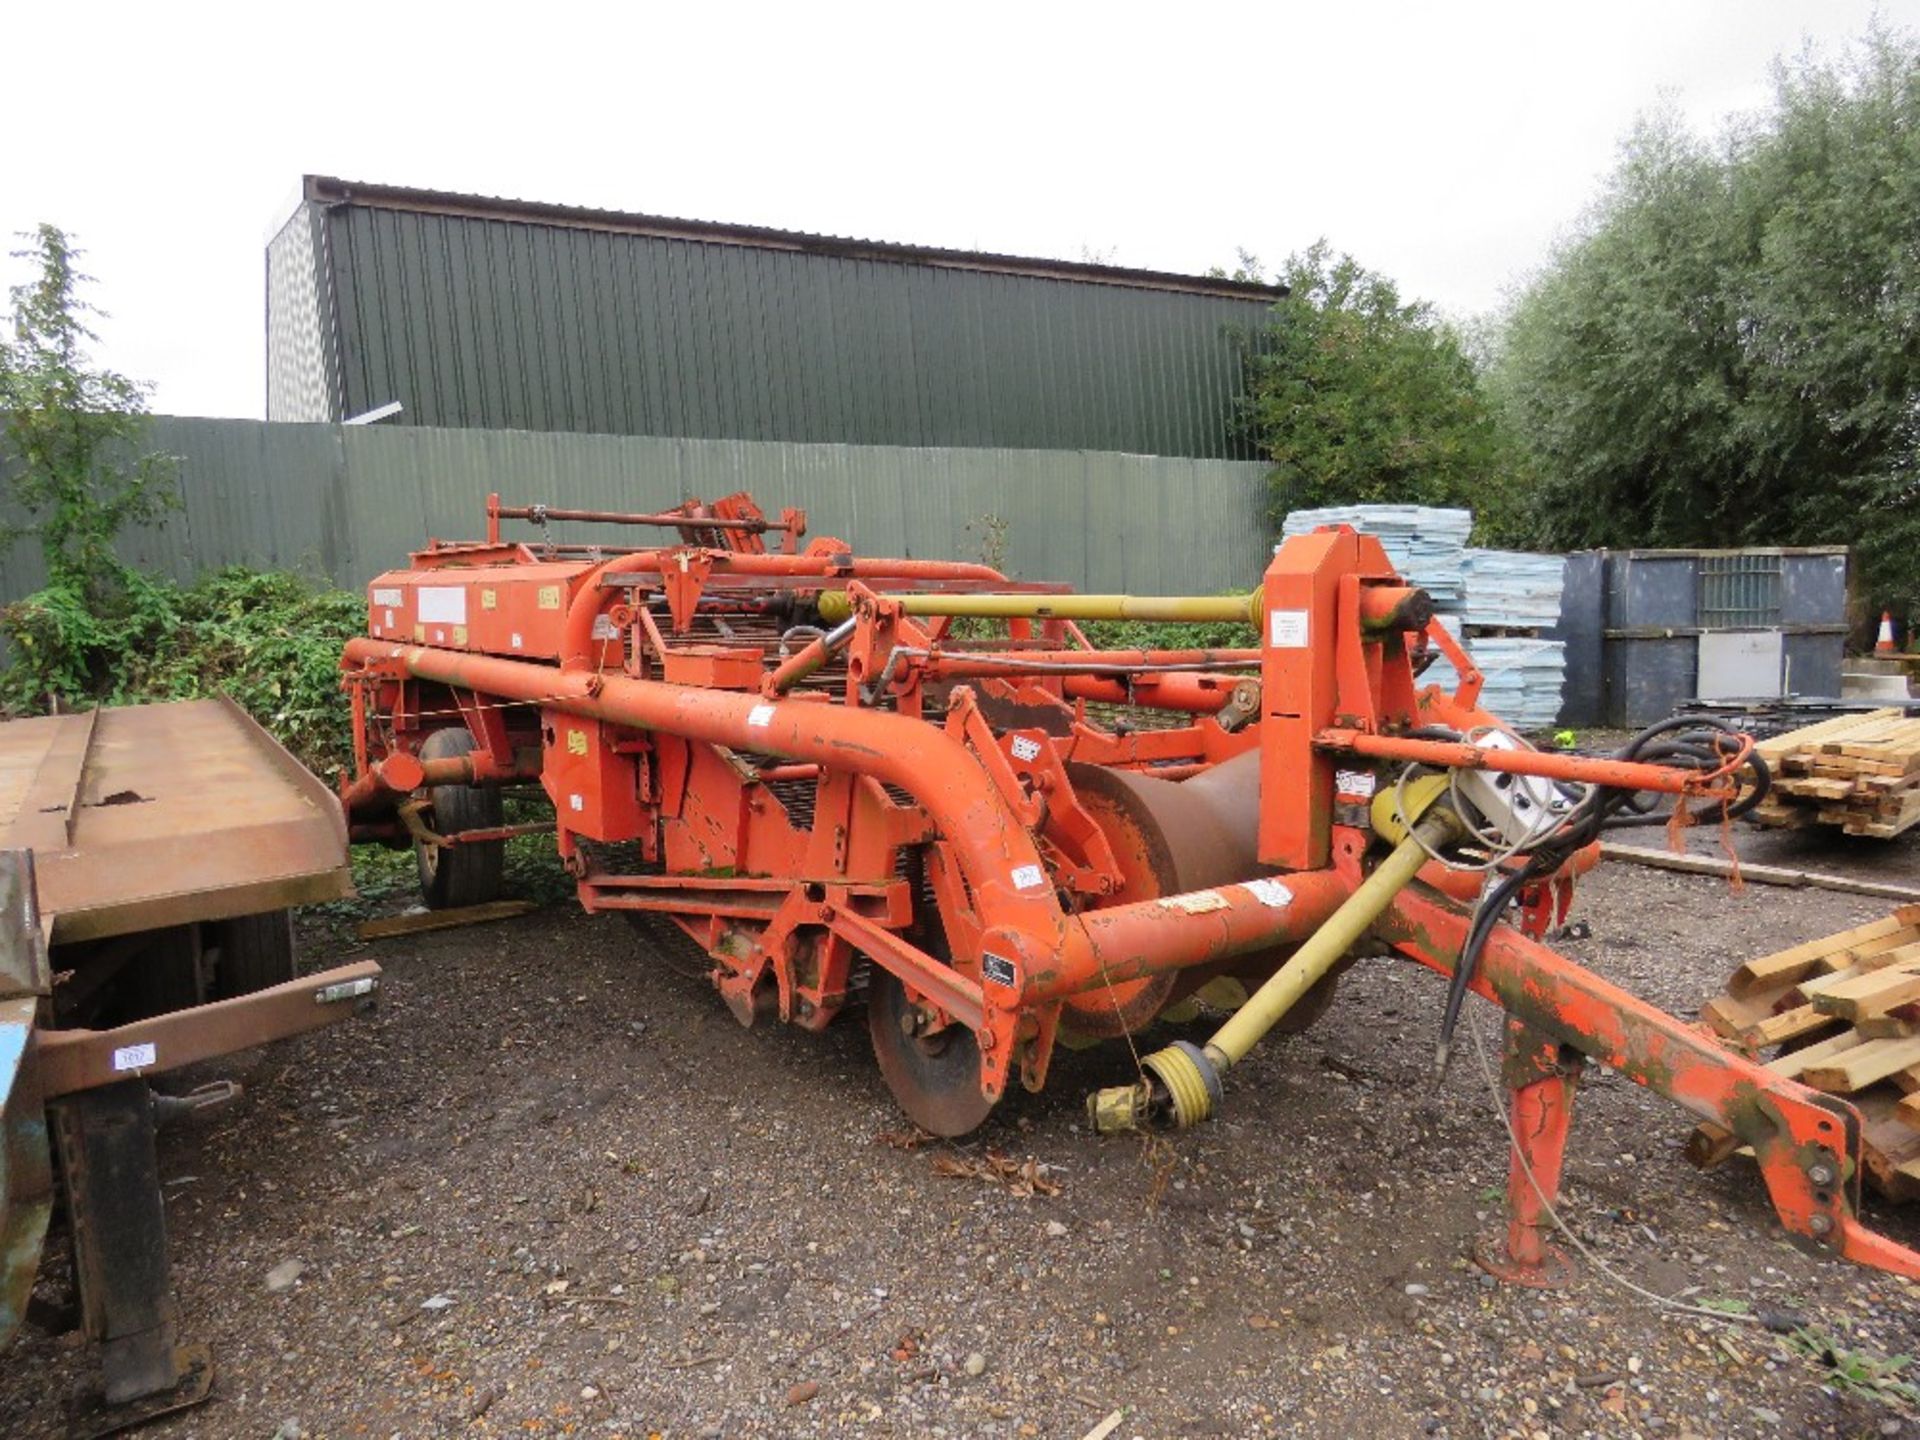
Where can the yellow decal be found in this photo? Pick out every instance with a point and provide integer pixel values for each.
(576, 742)
(420, 632)
(549, 597)
(460, 635)
(488, 600)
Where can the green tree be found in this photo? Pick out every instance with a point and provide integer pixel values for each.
(75, 475)
(1727, 351)
(1359, 396)
(72, 432)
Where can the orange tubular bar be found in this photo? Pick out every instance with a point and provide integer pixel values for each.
(1192, 692)
(1457, 754)
(1808, 1145)
(577, 642)
(923, 760)
(1151, 937)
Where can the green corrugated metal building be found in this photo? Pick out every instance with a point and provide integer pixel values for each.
(502, 314)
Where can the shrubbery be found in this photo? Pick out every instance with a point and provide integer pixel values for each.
(269, 639)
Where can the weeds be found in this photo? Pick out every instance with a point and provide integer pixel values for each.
(1856, 1372)
(269, 639)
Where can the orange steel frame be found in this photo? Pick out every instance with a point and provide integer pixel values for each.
(941, 835)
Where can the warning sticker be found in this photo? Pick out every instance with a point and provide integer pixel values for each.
(387, 597)
(576, 742)
(1028, 877)
(1270, 893)
(489, 599)
(1287, 629)
(604, 628)
(443, 604)
(1025, 749)
(1354, 782)
(999, 969)
(760, 715)
(1199, 902)
(548, 597)
(134, 1057)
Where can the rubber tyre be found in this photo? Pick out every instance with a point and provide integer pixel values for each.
(461, 875)
(255, 953)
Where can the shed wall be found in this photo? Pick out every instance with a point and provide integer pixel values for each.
(477, 322)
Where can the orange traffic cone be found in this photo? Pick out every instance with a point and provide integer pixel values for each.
(1884, 645)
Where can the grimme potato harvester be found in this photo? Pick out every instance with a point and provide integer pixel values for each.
(915, 787)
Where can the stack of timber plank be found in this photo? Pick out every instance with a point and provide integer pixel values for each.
(1842, 1015)
(1860, 772)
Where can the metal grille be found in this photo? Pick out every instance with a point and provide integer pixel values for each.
(1739, 590)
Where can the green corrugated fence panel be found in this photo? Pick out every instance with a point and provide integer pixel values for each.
(347, 502)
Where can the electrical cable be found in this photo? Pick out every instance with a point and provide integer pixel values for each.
(1710, 747)
(1653, 1297)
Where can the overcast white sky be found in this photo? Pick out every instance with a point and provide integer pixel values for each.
(1445, 144)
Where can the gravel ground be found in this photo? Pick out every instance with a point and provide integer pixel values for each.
(551, 1188)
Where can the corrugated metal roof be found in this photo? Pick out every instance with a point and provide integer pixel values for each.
(328, 190)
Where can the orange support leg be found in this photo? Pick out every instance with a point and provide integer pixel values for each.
(1541, 1077)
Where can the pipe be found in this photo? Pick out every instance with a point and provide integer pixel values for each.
(540, 513)
(1459, 755)
(1177, 932)
(837, 605)
(995, 853)
(1197, 694)
(578, 648)
(1188, 1088)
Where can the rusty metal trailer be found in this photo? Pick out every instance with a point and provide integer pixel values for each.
(147, 859)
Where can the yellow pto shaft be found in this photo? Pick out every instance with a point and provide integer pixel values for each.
(1188, 1076)
(836, 605)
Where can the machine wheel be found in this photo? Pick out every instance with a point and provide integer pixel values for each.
(460, 875)
(255, 953)
(935, 1078)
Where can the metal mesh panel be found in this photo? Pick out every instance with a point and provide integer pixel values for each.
(1739, 590)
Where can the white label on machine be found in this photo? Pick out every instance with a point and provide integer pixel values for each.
(444, 604)
(1270, 893)
(134, 1057)
(604, 628)
(1028, 877)
(388, 597)
(576, 802)
(389, 619)
(1025, 749)
(1287, 629)
(1199, 902)
(760, 715)
(516, 640)
(1354, 782)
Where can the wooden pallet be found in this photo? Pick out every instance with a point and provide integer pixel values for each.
(1839, 1014)
(1860, 772)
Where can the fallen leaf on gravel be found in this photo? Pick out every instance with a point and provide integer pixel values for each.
(908, 1140)
(803, 1392)
(1022, 1178)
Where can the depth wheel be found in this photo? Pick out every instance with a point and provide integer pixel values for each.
(454, 876)
(935, 1078)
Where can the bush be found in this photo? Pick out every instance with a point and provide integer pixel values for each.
(269, 639)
